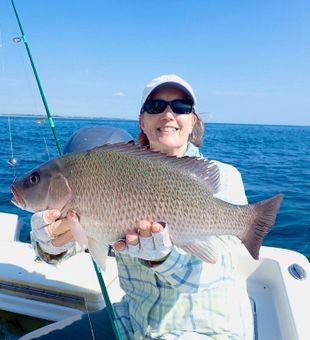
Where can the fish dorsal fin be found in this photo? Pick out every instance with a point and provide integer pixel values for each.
(200, 168)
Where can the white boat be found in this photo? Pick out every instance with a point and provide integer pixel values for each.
(278, 285)
(39, 290)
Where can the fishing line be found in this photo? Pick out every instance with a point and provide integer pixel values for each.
(24, 73)
(41, 122)
(12, 161)
(30, 86)
(30, 91)
(89, 320)
(10, 135)
(46, 147)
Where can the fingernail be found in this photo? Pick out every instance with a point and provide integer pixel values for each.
(52, 215)
(71, 215)
(155, 228)
(119, 245)
(143, 224)
(131, 238)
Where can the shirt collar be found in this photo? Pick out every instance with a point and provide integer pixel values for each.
(192, 151)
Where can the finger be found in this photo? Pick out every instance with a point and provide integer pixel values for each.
(156, 228)
(63, 239)
(132, 238)
(72, 215)
(162, 242)
(145, 228)
(77, 229)
(51, 215)
(120, 245)
(58, 227)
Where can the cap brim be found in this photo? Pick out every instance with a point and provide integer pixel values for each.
(173, 85)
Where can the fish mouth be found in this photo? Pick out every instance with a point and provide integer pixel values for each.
(17, 199)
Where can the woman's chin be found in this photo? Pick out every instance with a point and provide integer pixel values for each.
(166, 137)
(168, 142)
(168, 147)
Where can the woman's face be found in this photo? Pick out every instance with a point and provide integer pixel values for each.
(168, 132)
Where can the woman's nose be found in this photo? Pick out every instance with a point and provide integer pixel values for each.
(168, 113)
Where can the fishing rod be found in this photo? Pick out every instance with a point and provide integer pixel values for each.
(52, 126)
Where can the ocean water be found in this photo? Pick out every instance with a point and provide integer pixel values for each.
(271, 159)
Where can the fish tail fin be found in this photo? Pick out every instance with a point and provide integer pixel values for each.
(265, 216)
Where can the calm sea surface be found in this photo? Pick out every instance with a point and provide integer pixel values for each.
(271, 159)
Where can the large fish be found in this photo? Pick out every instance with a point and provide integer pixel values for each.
(113, 186)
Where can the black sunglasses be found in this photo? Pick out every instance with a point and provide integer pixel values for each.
(154, 106)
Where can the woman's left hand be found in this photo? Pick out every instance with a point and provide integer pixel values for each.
(149, 242)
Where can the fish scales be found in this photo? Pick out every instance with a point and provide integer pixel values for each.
(130, 189)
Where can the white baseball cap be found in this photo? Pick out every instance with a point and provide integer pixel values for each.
(168, 80)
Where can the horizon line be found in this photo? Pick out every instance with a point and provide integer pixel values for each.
(43, 116)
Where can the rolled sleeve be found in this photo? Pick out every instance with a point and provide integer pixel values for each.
(232, 188)
(175, 261)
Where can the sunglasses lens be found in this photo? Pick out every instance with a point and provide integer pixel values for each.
(181, 106)
(154, 106)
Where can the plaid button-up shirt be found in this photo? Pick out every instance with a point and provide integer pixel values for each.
(184, 297)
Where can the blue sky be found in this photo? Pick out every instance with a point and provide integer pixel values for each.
(248, 61)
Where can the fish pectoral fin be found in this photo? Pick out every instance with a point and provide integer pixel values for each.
(78, 232)
(99, 252)
(59, 193)
(204, 250)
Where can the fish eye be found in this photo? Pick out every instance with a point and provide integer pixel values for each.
(34, 178)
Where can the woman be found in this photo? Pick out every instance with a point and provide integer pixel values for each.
(175, 295)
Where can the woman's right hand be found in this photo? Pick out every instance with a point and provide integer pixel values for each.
(53, 235)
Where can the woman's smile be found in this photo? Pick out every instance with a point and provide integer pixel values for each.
(167, 130)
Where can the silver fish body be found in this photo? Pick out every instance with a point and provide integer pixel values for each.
(114, 186)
